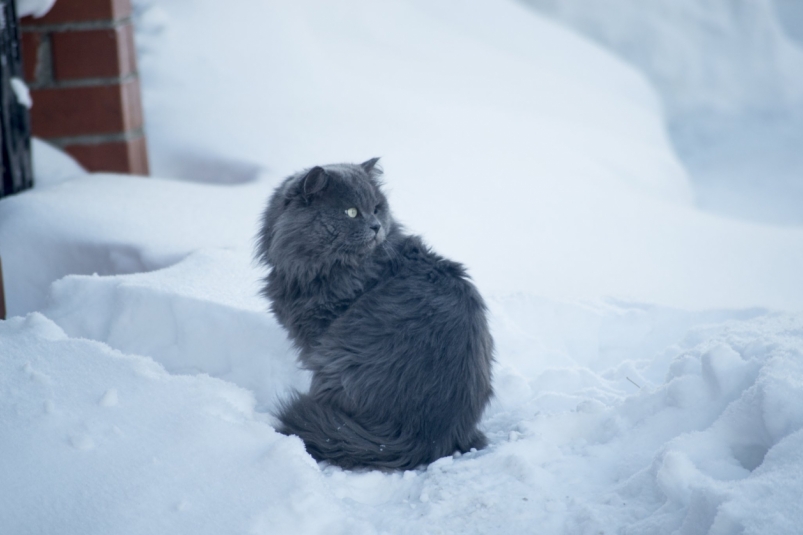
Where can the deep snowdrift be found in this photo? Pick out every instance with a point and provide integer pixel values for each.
(715, 55)
(730, 75)
(137, 382)
(97, 441)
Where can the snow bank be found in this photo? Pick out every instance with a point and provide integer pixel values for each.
(711, 447)
(790, 15)
(435, 90)
(718, 55)
(731, 80)
(599, 244)
(95, 441)
(109, 224)
(185, 322)
(52, 165)
(511, 144)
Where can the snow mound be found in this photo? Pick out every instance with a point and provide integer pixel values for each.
(95, 441)
(110, 224)
(188, 325)
(721, 56)
(732, 83)
(683, 454)
(51, 165)
(437, 91)
(712, 447)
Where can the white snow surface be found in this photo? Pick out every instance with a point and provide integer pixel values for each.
(37, 8)
(749, 62)
(21, 92)
(52, 165)
(730, 75)
(649, 356)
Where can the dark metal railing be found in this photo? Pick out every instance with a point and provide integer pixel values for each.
(15, 125)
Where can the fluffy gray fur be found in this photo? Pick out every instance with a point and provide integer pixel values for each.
(395, 336)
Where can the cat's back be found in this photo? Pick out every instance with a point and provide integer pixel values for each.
(414, 353)
(422, 272)
(424, 307)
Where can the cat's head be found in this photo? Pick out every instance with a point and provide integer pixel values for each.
(324, 216)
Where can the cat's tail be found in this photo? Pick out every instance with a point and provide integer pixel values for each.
(331, 435)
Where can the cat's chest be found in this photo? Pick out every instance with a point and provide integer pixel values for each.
(328, 302)
(329, 293)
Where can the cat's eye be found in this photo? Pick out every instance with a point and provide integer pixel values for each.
(351, 212)
(376, 210)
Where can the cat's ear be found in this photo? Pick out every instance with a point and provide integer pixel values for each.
(370, 167)
(314, 182)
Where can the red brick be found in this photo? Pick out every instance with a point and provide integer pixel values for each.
(79, 111)
(117, 156)
(30, 54)
(93, 53)
(82, 11)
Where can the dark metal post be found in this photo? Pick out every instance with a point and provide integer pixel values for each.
(15, 126)
(2, 295)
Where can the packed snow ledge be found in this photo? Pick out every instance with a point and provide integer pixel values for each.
(649, 373)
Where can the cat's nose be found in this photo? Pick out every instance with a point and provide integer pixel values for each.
(375, 225)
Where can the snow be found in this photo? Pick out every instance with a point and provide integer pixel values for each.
(109, 224)
(735, 112)
(749, 61)
(713, 444)
(51, 165)
(187, 325)
(73, 463)
(790, 15)
(21, 92)
(649, 373)
(37, 8)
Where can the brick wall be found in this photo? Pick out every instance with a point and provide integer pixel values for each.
(80, 63)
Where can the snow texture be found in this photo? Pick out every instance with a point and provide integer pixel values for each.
(649, 363)
(749, 61)
(37, 8)
(21, 92)
(51, 165)
(730, 74)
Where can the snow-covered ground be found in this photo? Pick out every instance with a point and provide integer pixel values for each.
(730, 74)
(649, 374)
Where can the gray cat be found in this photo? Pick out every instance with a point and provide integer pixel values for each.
(395, 336)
